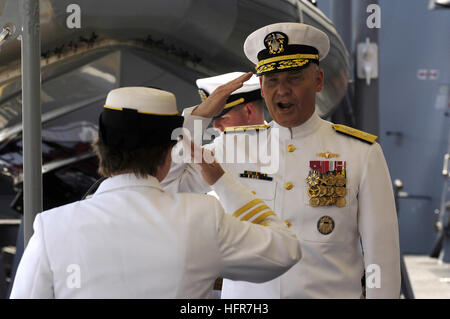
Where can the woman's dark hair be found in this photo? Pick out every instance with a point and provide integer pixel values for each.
(142, 162)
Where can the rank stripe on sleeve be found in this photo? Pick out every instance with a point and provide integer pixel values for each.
(255, 215)
(246, 207)
(262, 217)
(254, 212)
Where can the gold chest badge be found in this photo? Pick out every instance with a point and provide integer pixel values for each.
(325, 225)
(327, 183)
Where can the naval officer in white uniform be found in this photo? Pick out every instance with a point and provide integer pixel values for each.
(132, 239)
(244, 106)
(331, 186)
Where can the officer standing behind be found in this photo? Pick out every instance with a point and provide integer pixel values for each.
(332, 185)
(243, 107)
(132, 239)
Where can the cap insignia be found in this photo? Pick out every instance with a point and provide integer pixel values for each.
(275, 42)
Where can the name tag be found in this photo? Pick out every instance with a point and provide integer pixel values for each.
(255, 175)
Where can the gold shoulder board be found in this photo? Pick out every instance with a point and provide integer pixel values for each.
(245, 128)
(363, 136)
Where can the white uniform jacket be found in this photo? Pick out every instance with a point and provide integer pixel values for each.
(364, 232)
(134, 240)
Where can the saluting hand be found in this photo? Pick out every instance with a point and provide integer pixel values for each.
(215, 103)
(211, 170)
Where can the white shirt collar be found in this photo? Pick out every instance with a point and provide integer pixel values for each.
(307, 128)
(127, 180)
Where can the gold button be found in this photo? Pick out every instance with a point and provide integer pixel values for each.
(288, 223)
(253, 192)
(291, 148)
(288, 185)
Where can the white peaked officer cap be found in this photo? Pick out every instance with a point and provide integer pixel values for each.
(250, 91)
(136, 117)
(285, 46)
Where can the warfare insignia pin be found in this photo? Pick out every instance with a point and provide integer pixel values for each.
(325, 225)
(275, 42)
(327, 183)
(327, 154)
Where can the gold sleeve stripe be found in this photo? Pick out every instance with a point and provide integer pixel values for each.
(254, 212)
(247, 207)
(262, 217)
